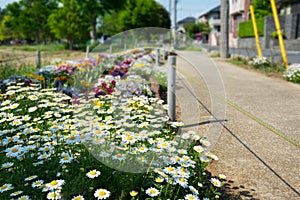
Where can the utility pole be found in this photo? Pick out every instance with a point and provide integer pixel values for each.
(224, 49)
(175, 22)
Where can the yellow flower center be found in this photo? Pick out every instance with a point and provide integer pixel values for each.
(102, 193)
(53, 183)
(3, 187)
(14, 150)
(93, 172)
(66, 158)
(72, 137)
(119, 155)
(152, 191)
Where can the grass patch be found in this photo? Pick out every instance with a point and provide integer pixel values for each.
(7, 70)
(48, 47)
(272, 70)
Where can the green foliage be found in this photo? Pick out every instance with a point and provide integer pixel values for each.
(28, 19)
(92, 9)
(162, 78)
(10, 69)
(192, 29)
(110, 24)
(246, 28)
(274, 34)
(68, 22)
(143, 13)
(5, 32)
(262, 8)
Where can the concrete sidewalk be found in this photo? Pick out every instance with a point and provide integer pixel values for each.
(252, 121)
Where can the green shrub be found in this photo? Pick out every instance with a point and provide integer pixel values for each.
(246, 28)
(274, 35)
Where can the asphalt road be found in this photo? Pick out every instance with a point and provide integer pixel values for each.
(293, 56)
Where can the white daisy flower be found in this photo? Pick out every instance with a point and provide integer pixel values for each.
(54, 195)
(29, 178)
(37, 184)
(32, 97)
(215, 182)
(191, 197)
(93, 174)
(24, 197)
(32, 109)
(222, 176)
(79, 197)
(16, 193)
(198, 148)
(55, 184)
(66, 158)
(119, 157)
(7, 165)
(14, 106)
(6, 187)
(182, 181)
(152, 192)
(101, 194)
(193, 190)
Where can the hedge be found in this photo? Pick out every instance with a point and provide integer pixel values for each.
(246, 28)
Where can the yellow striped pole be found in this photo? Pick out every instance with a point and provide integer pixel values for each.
(279, 33)
(255, 32)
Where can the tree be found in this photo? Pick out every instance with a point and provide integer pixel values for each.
(28, 18)
(143, 13)
(69, 22)
(2, 14)
(262, 8)
(5, 32)
(192, 28)
(95, 8)
(110, 24)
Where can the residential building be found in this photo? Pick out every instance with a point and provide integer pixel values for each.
(239, 12)
(287, 7)
(212, 18)
(183, 22)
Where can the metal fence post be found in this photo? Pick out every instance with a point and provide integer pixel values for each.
(172, 87)
(157, 58)
(87, 51)
(110, 49)
(38, 59)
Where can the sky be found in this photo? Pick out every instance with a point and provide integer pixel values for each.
(185, 8)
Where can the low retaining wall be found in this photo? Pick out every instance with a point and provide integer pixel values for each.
(249, 43)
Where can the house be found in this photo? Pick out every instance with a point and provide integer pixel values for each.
(287, 7)
(185, 21)
(212, 18)
(238, 12)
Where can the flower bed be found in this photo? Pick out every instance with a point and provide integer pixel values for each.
(293, 73)
(114, 141)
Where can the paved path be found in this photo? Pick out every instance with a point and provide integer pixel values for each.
(255, 124)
